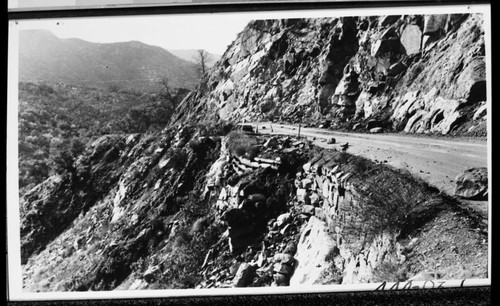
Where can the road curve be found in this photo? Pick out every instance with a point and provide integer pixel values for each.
(436, 161)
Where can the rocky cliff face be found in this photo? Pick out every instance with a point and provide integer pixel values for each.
(418, 74)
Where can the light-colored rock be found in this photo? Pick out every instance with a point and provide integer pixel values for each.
(314, 244)
(472, 184)
(307, 183)
(481, 112)
(376, 130)
(301, 194)
(411, 39)
(283, 219)
(283, 258)
(307, 209)
(149, 275)
(138, 284)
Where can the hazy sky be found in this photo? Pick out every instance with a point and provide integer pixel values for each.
(212, 32)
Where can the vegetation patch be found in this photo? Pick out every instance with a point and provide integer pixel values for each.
(243, 144)
(56, 121)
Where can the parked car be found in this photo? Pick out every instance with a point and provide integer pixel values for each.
(246, 128)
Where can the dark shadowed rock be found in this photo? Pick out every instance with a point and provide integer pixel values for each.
(472, 184)
(434, 23)
(372, 124)
(257, 197)
(235, 217)
(271, 143)
(388, 20)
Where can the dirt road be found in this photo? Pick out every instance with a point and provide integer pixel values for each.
(437, 161)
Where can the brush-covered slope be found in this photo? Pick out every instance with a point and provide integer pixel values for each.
(410, 73)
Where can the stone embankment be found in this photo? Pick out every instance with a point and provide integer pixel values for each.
(323, 254)
(299, 243)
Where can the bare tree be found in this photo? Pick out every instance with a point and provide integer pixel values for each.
(165, 91)
(202, 57)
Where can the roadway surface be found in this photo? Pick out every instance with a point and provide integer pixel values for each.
(437, 161)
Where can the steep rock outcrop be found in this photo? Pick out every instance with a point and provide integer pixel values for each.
(414, 73)
(124, 201)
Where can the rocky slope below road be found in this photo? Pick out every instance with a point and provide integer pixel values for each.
(182, 209)
(412, 73)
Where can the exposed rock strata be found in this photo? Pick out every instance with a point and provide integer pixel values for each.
(414, 73)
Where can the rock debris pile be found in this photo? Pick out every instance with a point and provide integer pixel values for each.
(262, 226)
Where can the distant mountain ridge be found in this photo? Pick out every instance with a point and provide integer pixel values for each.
(124, 65)
(190, 55)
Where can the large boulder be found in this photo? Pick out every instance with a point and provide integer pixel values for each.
(471, 83)
(472, 184)
(411, 39)
(244, 276)
(382, 46)
(314, 245)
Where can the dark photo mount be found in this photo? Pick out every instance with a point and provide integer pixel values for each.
(389, 295)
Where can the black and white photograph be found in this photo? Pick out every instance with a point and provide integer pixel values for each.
(273, 151)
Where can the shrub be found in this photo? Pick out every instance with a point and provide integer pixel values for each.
(390, 271)
(239, 150)
(240, 143)
(384, 204)
(182, 264)
(45, 89)
(198, 225)
(203, 146)
(253, 152)
(388, 201)
(219, 128)
(330, 257)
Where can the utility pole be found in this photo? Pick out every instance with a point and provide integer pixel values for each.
(299, 131)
